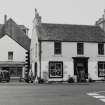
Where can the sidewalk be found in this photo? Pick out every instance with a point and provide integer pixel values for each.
(16, 84)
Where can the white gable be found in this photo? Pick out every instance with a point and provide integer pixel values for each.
(8, 44)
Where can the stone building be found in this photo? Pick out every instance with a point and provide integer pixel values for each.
(59, 51)
(14, 45)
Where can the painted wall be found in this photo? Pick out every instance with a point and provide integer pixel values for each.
(34, 50)
(8, 44)
(69, 50)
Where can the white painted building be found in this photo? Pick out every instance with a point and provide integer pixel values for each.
(59, 51)
(14, 44)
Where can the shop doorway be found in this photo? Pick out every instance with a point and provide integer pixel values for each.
(81, 68)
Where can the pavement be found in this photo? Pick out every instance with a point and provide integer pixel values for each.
(15, 93)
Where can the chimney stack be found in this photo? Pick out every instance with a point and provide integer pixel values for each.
(5, 18)
(101, 22)
(37, 17)
(104, 15)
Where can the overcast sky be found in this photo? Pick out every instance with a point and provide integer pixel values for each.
(53, 11)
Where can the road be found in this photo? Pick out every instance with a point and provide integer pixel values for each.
(53, 94)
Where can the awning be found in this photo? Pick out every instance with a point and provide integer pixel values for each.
(11, 64)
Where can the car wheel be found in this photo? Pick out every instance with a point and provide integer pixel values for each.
(0, 80)
(8, 80)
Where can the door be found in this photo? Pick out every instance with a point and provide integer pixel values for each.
(81, 74)
(35, 68)
(81, 68)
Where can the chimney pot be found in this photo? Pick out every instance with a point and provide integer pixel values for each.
(5, 18)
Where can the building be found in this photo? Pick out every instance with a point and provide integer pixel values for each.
(59, 51)
(14, 45)
(101, 22)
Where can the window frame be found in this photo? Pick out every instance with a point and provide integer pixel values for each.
(80, 48)
(55, 63)
(100, 48)
(57, 50)
(103, 69)
(10, 55)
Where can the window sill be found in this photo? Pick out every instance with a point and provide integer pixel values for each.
(80, 55)
(58, 55)
(100, 55)
(10, 60)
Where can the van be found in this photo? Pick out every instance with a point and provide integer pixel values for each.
(4, 76)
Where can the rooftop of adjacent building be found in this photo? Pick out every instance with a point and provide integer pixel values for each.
(15, 31)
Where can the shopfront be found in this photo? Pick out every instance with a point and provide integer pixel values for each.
(16, 69)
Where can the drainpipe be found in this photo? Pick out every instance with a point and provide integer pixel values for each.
(40, 56)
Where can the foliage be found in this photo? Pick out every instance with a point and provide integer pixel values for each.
(90, 80)
(70, 80)
(40, 80)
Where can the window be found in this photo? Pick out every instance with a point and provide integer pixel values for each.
(101, 49)
(10, 55)
(15, 71)
(101, 69)
(57, 47)
(35, 68)
(36, 50)
(55, 69)
(80, 48)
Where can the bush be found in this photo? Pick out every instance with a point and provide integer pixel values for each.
(90, 80)
(84, 80)
(70, 80)
(40, 80)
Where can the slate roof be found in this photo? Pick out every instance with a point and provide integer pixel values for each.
(23, 27)
(13, 30)
(20, 26)
(72, 33)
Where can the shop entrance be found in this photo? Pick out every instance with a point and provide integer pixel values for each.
(81, 68)
(14, 71)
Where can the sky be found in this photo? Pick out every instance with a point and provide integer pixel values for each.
(82, 12)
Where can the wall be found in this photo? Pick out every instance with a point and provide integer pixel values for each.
(69, 50)
(34, 50)
(8, 44)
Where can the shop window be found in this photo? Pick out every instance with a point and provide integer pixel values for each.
(101, 69)
(19, 72)
(55, 69)
(15, 71)
(10, 55)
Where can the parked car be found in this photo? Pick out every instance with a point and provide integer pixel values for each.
(4, 76)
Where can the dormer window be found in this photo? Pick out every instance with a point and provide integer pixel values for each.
(101, 48)
(57, 48)
(80, 48)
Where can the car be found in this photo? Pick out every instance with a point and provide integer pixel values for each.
(4, 75)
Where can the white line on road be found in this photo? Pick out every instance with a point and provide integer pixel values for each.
(99, 96)
(92, 94)
(100, 92)
(102, 100)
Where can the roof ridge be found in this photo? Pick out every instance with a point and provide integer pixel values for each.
(18, 27)
(71, 32)
(69, 24)
(15, 32)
